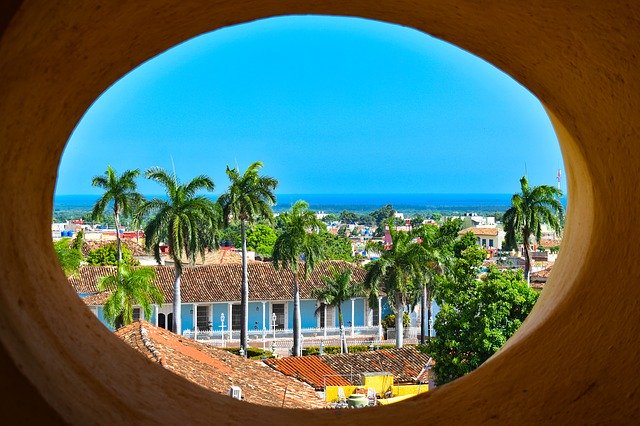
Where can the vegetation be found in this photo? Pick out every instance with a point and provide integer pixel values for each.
(129, 287)
(332, 350)
(248, 198)
(121, 192)
(260, 239)
(337, 289)
(298, 243)
(252, 353)
(390, 321)
(336, 247)
(69, 255)
(396, 273)
(477, 316)
(107, 255)
(185, 221)
(529, 210)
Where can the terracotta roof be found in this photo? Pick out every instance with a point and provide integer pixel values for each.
(215, 257)
(549, 243)
(406, 364)
(221, 283)
(488, 232)
(310, 369)
(539, 279)
(218, 370)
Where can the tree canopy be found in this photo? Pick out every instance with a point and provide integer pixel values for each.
(477, 315)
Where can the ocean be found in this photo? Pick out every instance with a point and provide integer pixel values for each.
(359, 203)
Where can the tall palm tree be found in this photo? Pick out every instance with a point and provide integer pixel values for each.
(186, 222)
(128, 288)
(529, 210)
(249, 198)
(431, 266)
(397, 273)
(337, 289)
(299, 243)
(122, 192)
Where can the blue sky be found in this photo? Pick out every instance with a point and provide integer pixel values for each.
(330, 105)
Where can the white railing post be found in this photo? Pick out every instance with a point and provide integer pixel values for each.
(353, 307)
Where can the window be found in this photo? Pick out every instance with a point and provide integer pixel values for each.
(490, 243)
(136, 314)
(161, 321)
(203, 319)
(236, 317)
(331, 317)
(484, 242)
(374, 308)
(278, 309)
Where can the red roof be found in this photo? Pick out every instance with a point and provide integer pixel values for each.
(309, 369)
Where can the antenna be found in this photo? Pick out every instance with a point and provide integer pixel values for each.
(558, 178)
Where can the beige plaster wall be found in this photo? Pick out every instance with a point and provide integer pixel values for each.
(575, 359)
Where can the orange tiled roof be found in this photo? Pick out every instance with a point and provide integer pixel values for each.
(485, 232)
(405, 364)
(221, 283)
(218, 370)
(135, 248)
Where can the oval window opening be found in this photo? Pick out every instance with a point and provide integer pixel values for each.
(359, 169)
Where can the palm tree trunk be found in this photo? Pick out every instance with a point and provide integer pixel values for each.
(527, 256)
(177, 303)
(343, 337)
(399, 318)
(423, 311)
(244, 292)
(297, 349)
(116, 218)
(429, 315)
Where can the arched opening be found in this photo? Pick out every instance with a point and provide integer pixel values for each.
(563, 353)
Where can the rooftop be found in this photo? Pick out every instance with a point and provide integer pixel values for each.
(221, 283)
(488, 232)
(406, 364)
(218, 370)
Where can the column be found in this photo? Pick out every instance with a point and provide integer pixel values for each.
(156, 314)
(324, 324)
(229, 311)
(353, 308)
(379, 318)
(194, 318)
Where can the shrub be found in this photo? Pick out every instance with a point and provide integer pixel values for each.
(107, 255)
(390, 321)
(332, 350)
(252, 353)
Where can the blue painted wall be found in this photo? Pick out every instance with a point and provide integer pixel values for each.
(219, 308)
(255, 316)
(307, 312)
(187, 317)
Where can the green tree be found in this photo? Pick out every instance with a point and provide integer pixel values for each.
(131, 286)
(477, 316)
(107, 255)
(69, 255)
(529, 209)
(330, 218)
(336, 247)
(417, 221)
(397, 273)
(261, 238)
(337, 289)
(185, 221)
(121, 192)
(248, 198)
(298, 244)
(348, 217)
(383, 214)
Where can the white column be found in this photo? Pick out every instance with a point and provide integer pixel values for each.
(353, 316)
(379, 318)
(229, 321)
(324, 325)
(156, 314)
(194, 317)
(264, 325)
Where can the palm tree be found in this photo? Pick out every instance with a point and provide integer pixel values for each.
(249, 198)
(128, 288)
(337, 289)
(121, 191)
(431, 267)
(298, 241)
(397, 273)
(529, 210)
(185, 221)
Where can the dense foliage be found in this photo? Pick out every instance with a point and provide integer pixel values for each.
(260, 239)
(477, 315)
(336, 247)
(68, 254)
(107, 255)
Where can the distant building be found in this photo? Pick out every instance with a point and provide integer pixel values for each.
(486, 237)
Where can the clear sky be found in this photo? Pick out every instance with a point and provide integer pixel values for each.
(330, 105)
